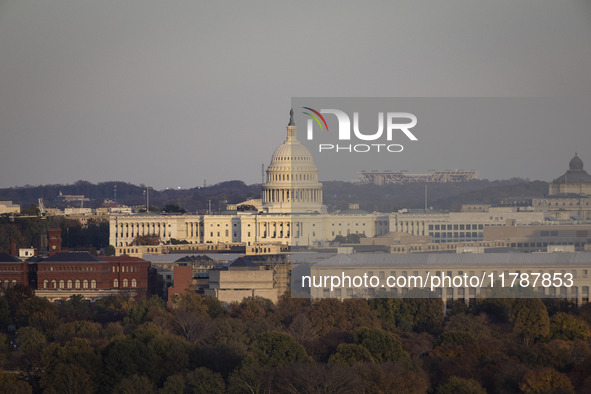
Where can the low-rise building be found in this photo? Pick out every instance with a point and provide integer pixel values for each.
(240, 280)
(7, 207)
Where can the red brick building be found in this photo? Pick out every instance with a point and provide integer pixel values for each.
(64, 274)
(13, 270)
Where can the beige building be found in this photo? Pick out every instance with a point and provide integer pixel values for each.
(384, 267)
(7, 207)
(242, 279)
(460, 226)
(564, 207)
(537, 238)
(574, 181)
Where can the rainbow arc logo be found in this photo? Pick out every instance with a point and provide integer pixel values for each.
(315, 115)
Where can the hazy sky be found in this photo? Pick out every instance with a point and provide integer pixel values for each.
(169, 93)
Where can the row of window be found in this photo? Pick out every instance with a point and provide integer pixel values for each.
(9, 268)
(456, 235)
(124, 283)
(62, 284)
(125, 268)
(77, 284)
(68, 268)
(456, 227)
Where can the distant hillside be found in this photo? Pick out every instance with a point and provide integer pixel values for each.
(337, 195)
(192, 200)
(449, 196)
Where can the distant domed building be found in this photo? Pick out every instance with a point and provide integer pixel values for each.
(574, 181)
(292, 178)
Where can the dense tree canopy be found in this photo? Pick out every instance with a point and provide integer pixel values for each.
(120, 345)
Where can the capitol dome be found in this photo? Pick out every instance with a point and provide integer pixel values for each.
(292, 178)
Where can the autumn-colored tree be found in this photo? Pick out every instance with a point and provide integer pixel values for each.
(349, 315)
(10, 384)
(302, 330)
(193, 326)
(190, 301)
(457, 385)
(68, 379)
(391, 378)
(565, 326)
(545, 380)
(252, 308)
(306, 377)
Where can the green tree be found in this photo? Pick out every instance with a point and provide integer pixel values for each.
(110, 250)
(275, 348)
(31, 340)
(382, 346)
(68, 379)
(5, 315)
(203, 380)
(457, 385)
(77, 352)
(173, 208)
(530, 319)
(174, 384)
(351, 354)
(426, 313)
(393, 312)
(135, 384)
(37, 312)
(127, 357)
(138, 312)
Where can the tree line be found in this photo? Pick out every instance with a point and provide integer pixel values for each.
(337, 195)
(120, 345)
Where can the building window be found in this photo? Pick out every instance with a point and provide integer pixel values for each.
(85, 284)
(125, 283)
(116, 283)
(45, 283)
(77, 283)
(133, 283)
(69, 283)
(93, 284)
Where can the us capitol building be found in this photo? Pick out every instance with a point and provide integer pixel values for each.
(290, 213)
